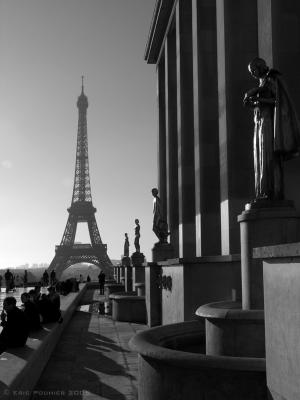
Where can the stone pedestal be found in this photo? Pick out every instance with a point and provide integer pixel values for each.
(126, 274)
(137, 259)
(263, 223)
(128, 279)
(138, 270)
(125, 261)
(153, 294)
(162, 252)
(140, 288)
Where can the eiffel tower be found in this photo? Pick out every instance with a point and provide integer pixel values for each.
(81, 210)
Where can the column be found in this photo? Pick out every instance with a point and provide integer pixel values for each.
(206, 137)
(236, 47)
(185, 128)
(171, 137)
(162, 181)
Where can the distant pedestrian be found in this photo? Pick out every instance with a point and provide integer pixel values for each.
(25, 278)
(52, 278)
(17, 280)
(101, 278)
(88, 279)
(45, 278)
(1, 277)
(80, 278)
(8, 280)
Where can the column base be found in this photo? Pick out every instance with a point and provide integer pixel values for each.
(125, 261)
(162, 252)
(263, 223)
(137, 259)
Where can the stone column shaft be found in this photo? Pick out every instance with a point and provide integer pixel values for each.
(236, 46)
(171, 138)
(186, 170)
(162, 177)
(206, 139)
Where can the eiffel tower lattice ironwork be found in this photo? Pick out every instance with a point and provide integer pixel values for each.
(81, 210)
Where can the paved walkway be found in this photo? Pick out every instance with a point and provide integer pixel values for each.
(92, 359)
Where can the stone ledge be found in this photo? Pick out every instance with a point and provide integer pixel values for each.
(200, 260)
(20, 368)
(288, 250)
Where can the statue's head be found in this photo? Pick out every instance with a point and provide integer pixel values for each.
(258, 67)
(136, 221)
(154, 191)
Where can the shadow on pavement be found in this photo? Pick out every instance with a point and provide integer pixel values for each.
(85, 365)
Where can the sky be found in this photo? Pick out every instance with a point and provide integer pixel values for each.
(45, 48)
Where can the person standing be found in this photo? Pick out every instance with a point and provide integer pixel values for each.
(45, 278)
(101, 278)
(25, 278)
(52, 278)
(8, 280)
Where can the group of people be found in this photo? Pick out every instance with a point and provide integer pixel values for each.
(36, 309)
(13, 281)
(46, 277)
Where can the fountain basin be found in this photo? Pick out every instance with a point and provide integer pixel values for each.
(232, 331)
(173, 365)
(112, 288)
(128, 307)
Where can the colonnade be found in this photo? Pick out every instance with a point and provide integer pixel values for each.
(201, 51)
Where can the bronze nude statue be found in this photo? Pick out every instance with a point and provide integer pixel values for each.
(276, 130)
(160, 226)
(137, 234)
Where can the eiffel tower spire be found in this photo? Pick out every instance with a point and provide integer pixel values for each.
(82, 185)
(82, 209)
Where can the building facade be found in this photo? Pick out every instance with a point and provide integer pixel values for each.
(201, 49)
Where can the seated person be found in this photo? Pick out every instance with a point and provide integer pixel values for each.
(15, 328)
(37, 292)
(32, 296)
(54, 298)
(31, 313)
(48, 310)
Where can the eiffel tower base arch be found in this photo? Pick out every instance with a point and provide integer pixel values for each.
(65, 256)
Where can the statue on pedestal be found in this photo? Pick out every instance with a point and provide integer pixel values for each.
(276, 130)
(126, 246)
(160, 226)
(137, 234)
